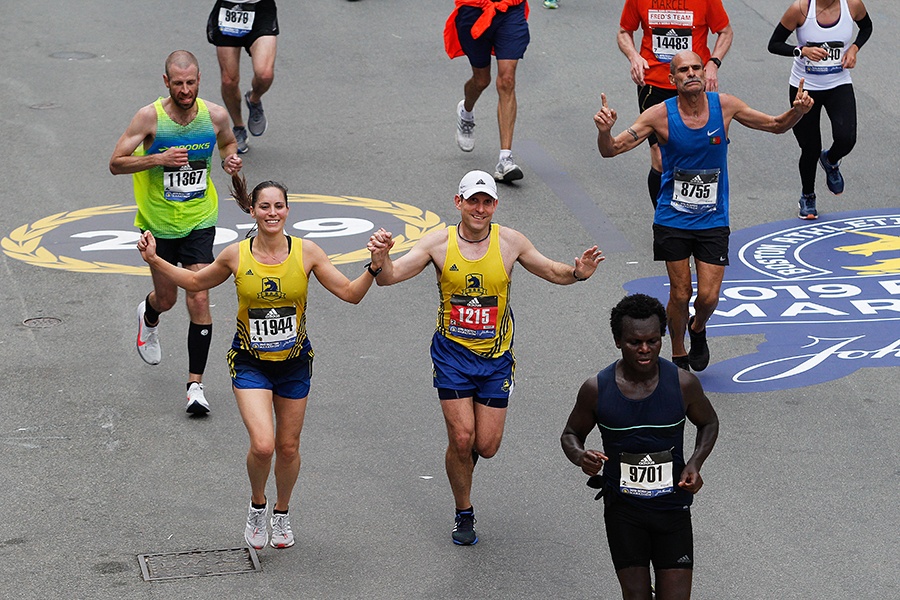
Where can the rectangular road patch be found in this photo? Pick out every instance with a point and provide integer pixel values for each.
(198, 563)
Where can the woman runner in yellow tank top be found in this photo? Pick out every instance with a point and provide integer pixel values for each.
(271, 357)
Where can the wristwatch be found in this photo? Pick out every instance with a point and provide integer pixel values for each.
(798, 51)
(716, 62)
(372, 272)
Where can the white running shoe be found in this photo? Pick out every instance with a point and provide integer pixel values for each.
(507, 171)
(255, 533)
(147, 339)
(465, 130)
(282, 536)
(196, 400)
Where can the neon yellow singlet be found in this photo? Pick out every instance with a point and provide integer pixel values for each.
(474, 310)
(173, 201)
(271, 318)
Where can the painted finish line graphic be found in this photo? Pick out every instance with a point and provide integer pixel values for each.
(826, 294)
(102, 239)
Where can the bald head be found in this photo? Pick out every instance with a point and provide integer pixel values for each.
(181, 59)
(683, 57)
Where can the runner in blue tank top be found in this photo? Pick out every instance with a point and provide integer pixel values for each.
(640, 404)
(691, 216)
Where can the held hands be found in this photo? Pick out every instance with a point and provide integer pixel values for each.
(802, 102)
(592, 461)
(606, 117)
(380, 244)
(147, 246)
(586, 264)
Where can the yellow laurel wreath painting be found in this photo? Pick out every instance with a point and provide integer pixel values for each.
(24, 243)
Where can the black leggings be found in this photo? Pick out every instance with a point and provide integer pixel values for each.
(840, 104)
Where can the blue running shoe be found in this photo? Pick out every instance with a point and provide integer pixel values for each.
(833, 177)
(464, 530)
(808, 206)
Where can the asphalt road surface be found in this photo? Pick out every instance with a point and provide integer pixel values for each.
(100, 463)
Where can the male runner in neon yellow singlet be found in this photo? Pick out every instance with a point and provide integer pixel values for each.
(472, 346)
(168, 149)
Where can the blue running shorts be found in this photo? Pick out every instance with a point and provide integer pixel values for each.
(460, 373)
(507, 37)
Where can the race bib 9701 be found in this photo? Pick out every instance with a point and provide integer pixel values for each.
(646, 475)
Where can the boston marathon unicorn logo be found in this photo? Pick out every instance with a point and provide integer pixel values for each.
(826, 295)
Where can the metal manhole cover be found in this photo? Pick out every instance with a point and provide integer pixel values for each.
(198, 563)
(41, 322)
(73, 55)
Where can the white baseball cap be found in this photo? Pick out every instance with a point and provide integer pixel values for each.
(477, 181)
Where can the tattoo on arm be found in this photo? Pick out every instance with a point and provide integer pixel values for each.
(633, 134)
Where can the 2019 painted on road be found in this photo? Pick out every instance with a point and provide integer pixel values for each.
(826, 294)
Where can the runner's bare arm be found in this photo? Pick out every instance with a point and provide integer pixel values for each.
(720, 49)
(515, 244)
(142, 129)
(639, 65)
(225, 264)
(632, 137)
(225, 140)
(582, 421)
(430, 248)
(733, 107)
(334, 281)
(701, 413)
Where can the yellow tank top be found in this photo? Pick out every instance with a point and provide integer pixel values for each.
(474, 310)
(271, 318)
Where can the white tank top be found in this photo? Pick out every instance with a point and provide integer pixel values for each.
(827, 73)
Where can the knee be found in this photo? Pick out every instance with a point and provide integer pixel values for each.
(506, 84)
(198, 303)
(231, 80)
(488, 450)
(164, 301)
(462, 441)
(265, 76)
(287, 449)
(481, 81)
(706, 301)
(680, 294)
(262, 450)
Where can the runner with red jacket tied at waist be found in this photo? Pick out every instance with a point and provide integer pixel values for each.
(478, 29)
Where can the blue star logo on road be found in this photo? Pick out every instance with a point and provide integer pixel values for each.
(826, 295)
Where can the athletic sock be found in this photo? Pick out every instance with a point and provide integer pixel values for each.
(151, 315)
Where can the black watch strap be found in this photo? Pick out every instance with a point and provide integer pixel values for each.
(716, 62)
(372, 272)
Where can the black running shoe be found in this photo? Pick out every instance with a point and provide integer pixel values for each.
(682, 362)
(698, 356)
(464, 530)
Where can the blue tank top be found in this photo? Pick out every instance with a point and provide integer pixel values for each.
(644, 428)
(694, 188)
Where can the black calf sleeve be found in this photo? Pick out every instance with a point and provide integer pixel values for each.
(199, 339)
(654, 182)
